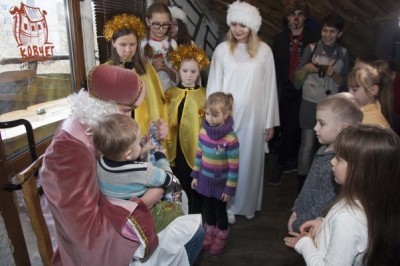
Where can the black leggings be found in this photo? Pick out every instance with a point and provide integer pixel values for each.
(182, 171)
(215, 211)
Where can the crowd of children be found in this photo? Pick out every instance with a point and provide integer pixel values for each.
(333, 114)
(346, 212)
(203, 141)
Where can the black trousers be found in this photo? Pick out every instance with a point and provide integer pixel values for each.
(215, 212)
(182, 171)
(290, 129)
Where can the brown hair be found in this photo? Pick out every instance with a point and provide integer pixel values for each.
(137, 59)
(372, 154)
(157, 7)
(252, 43)
(220, 101)
(367, 76)
(114, 135)
(345, 105)
(183, 36)
(292, 5)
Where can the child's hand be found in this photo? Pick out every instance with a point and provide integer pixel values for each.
(194, 183)
(225, 197)
(292, 240)
(292, 218)
(311, 227)
(146, 147)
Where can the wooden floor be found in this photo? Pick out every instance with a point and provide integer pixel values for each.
(260, 241)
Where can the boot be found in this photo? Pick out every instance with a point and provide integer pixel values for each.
(219, 241)
(276, 178)
(211, 231)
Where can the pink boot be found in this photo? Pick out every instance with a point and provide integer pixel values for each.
(211, 231)
(219, 242)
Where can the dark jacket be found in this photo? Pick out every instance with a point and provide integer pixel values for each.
(281, 51)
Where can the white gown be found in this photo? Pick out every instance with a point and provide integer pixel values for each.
(252, 82)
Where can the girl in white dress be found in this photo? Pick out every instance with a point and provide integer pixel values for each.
(243, 65)
(362, 227)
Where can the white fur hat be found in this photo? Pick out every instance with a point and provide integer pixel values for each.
(178, 13)
(242, 12)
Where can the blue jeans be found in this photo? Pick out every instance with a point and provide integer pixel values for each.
(194, 246)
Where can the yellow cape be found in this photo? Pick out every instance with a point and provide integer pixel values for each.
(190, 122)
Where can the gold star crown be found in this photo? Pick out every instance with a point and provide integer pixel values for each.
(188, 52)
(124, 21)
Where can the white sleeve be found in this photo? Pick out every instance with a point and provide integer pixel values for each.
(344, 241)
(269, 84)
(215, 76)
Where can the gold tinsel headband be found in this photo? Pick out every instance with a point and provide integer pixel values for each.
(188, 52)
(124, 21)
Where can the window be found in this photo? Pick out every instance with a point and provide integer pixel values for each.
(37, 71)
(36, 67)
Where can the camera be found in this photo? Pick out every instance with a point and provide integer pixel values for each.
(322, 70)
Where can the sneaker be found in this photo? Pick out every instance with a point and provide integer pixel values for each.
(231, 216)
(290, 167)
(276, 178)
(251, 216)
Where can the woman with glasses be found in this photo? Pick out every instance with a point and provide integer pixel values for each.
(159, 42)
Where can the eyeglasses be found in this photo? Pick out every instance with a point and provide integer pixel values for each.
(157, 25)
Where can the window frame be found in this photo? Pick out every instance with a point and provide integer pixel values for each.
(8, 200)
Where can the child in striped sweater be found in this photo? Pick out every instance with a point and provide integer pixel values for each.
(216, 168)
(123, 171)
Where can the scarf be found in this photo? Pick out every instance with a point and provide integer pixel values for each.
(219, 131)
(294, 54)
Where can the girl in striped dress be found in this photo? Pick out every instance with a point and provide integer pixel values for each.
(216, 168)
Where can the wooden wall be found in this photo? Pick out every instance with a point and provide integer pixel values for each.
(371, 26)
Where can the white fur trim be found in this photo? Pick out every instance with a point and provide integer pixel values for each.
(178, 13)
(242, 12)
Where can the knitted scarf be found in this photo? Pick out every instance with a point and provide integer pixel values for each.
(219, 131)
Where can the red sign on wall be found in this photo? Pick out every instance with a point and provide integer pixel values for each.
(31, 33)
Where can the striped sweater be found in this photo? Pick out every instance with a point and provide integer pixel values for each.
(127, 179)
(217, 160)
